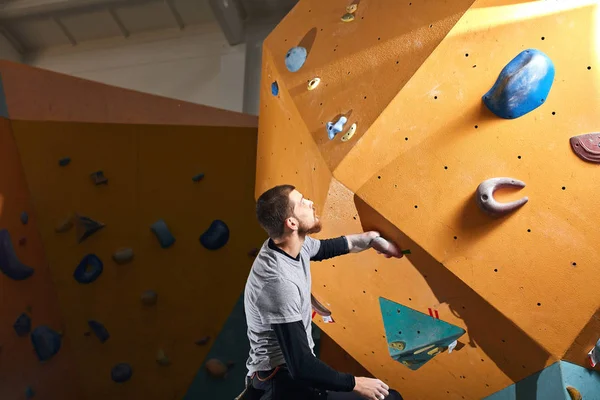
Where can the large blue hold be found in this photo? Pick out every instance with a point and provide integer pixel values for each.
(9, 263)
(216, 236)
(46, 342)
(89, 269)
(522, 86)
(121, 372)
(295, 58)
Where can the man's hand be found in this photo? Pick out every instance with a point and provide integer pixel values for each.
(363, 241)
(389, 249)
(371, 389)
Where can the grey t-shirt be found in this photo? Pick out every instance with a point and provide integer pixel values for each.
(277, 291)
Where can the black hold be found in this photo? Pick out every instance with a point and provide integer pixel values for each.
(122, 256)
(202, 341)
(63, 162)
(149, 297)
(24, 218)
(163, 234)
(121, 372)
(89, 269)
(98, 178)
(29, 392)
(198, 177)
(99, 330)
(22, 325)
(216, 236)
(46, 342)
(9, 263)
(85, 227)
(274, 88)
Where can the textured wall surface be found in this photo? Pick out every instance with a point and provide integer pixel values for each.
(412, 76)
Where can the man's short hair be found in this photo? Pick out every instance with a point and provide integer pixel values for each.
(273, 208)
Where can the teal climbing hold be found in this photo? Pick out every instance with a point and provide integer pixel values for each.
(413, 337)
(22, 325)
(163, 234)
(24, 218)
(9, 263)
(85, 227)
(46, 342)
(89, 269)
(522, 86)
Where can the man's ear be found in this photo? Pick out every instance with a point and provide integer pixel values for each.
(291, 223)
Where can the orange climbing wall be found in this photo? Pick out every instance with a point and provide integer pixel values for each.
(413, 166)
(149, 157)
(19, 366)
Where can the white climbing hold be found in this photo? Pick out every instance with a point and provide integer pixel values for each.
(348, 135)
(123, 255)
(313, 83)
(351, 9)
(348, 17)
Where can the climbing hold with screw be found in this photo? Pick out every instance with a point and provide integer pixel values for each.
(98, 178)
(295, 58)
(587, 147)
(488, 204)
(123, 255)
(121, 372)
(313, 83)
(348, 135)
(163, 234)
(216, 236)
(351, 9)
(89, 269)
(347, 17)
(335, 128)
(274, 88)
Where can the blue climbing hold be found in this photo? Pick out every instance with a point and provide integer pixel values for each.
(295, 58)
(163, 234)
(198, 177)
(29, 393)
(415, 338)
(216, 236)
(274, 88)
(22, 325)
(335, 128)
(89, 269)
(24, 218)
(63, 162)
(121, 372)
(522, 86)
(9, 264)
(86, 227)
(99, 330)
(46, 342)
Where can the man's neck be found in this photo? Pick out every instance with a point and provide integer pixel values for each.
(291, 244)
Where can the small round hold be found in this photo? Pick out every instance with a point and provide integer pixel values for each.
(123, 255)
(121, 373)
(351, 9)
(348, 135)
(149, 297)
(313, 83)
(348, 17)
(216, 368)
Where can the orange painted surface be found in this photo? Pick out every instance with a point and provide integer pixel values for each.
(19, 365)
(41, 95)
(411, 171)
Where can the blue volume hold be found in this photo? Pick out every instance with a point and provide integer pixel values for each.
(89, 269)
(163, 234)
(295, 58)
(46, 342)
(522, 86)
(216, 236)
(99, 330)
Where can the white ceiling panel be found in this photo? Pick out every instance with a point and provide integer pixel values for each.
(91, 25)
(194, 11)
(146, 17)
(38, 33)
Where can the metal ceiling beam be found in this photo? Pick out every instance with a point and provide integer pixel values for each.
(13, 40)
(124, 31)
(231, 15)
(19, 9)
(175, 14)
(65, 31)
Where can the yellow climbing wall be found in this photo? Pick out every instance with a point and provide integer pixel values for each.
(149, 170)
(520, 286)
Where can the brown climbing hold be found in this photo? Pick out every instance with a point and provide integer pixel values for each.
(587, 147)
(203, 340)
(347, 17)
(216, 368)
(65, 224)
(162, 359)
(574, 393)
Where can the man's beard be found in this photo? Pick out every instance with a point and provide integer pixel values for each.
(316, 228)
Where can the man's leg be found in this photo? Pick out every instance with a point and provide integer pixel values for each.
(394, 395)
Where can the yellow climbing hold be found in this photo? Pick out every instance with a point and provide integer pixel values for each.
(398, 345)
(348, 135)
(351, 9)
(313, 83)
(574, 393)
(347, 17)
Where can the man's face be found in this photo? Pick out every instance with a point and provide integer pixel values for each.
(305, 213)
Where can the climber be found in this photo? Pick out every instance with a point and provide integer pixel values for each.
(277, 300)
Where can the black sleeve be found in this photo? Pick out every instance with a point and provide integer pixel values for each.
(331, 248)
(303, 365)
